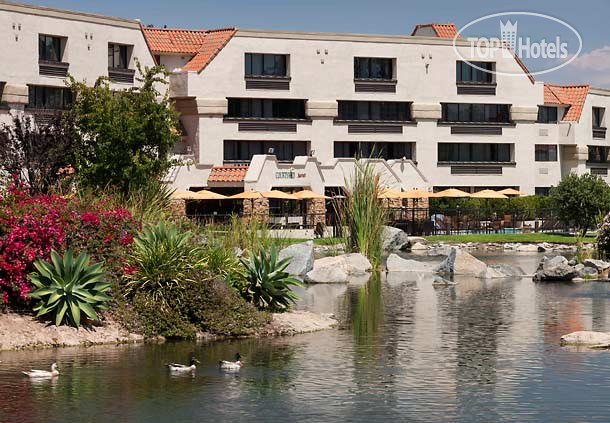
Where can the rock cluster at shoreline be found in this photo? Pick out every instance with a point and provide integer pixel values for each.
(558, 268)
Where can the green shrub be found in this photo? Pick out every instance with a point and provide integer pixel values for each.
(265, 283)
(161, 319)
(221, 261)
(164, 262)
(68, 287)
(215, 307)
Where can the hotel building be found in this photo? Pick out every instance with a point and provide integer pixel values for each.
(280, 110)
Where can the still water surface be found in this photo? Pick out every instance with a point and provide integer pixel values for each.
(407, 351)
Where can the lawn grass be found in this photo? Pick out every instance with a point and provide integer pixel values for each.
(502, 238)
(316, 241)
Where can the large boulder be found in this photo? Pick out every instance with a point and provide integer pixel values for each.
(395, 263)
(302, 258)
(459, 262)
(528, 248)
(555, 269)
(598, 265)
(503, 271)
(338, 269)
(586, 337)
(418, 246)
(394, 239)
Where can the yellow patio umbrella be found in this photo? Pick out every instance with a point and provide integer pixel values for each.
(185, 195)
(451, 193)
(309, 195)
(511, 191)
(389, 193)
(415, 194)
(488, 193)
(247, 195)
(280, 195)
(209, 195)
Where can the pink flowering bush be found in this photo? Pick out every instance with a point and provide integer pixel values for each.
(33, 225)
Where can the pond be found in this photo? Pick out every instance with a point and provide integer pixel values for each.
(478, 351)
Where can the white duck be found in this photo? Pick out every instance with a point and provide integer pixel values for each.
(175, 367)
(43, 373)
(231, 365)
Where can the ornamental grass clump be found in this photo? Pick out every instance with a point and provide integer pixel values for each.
(163, 262)
(361, 214)
(68, 288)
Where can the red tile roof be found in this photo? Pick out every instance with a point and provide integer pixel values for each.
(228, 174)
(213, 42)
(446, 30)
(165, 40)
(572, 95)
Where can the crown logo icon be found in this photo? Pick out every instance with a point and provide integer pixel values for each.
(508, 33)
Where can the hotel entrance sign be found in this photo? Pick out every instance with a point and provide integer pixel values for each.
(289, 174)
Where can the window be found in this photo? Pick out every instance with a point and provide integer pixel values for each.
(545, 191)
(266, 108)
(243, 151)
(375, 110)
(599, 154)
(547, 114)
(117, 56)
(373, 68)
(42, 97)
(49, 48)
(474, 152)
(384, 150)
(545, 153)
(464, 72)
(266, 64)
(598, 117)
(475, 113)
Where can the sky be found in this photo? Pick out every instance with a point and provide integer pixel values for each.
(590, 18)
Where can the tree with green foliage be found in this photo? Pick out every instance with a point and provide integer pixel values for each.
(581, 199)
(125, 137)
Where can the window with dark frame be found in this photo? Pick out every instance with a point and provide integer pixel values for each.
(242, 151)
(49, 98)
(397, 111)
(465, 72)
(49, 48)
(474, 152)
(384, 150)
(258, 64)
(543, 191)
(266, 108)
(599, 154)
(545, 153)
(475, 113)
(373, 68)
(598, 117)
(118, 56)
(547, 114)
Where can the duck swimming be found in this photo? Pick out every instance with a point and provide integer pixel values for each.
(43, 373)
(231, 365)
(175, 367)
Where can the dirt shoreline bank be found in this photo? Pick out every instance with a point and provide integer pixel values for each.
(21, 331)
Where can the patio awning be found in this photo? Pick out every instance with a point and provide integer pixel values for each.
(309, 195)
(451, 193)
(511, 191)
(488, 193)
(415, 194)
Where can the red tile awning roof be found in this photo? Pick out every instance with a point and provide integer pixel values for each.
(165, 40)
(446, 30)
(571, 95)
(213, 42)
(228, 174)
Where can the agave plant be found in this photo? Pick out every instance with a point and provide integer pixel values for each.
(266, 284)
(165, 262)
(69, 287)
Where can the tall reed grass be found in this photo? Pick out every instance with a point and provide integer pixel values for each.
(361, 214)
